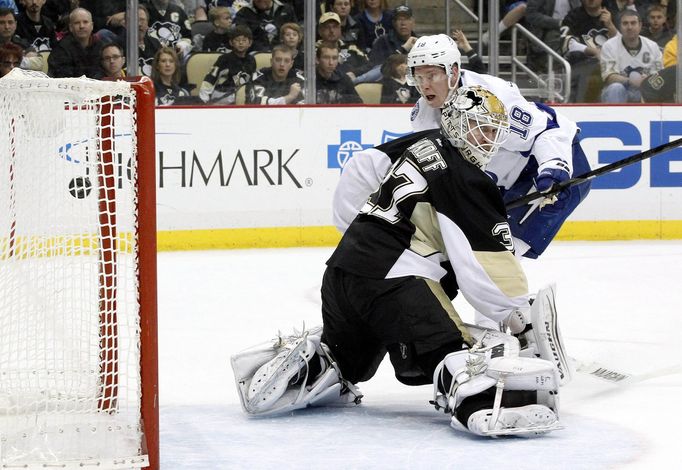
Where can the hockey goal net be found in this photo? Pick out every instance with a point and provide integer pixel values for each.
(78, 355)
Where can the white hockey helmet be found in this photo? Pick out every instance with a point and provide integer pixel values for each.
(440, 50)
(475, 121)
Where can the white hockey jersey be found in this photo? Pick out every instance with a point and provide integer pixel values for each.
(616, 58)
(536, 131)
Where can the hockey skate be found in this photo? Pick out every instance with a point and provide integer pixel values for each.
(542, 337)
(524, 421)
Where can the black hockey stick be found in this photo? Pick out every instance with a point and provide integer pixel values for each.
(558, 187)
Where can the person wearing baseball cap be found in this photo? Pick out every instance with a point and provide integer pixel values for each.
(351, 31)
(400, 39)
(329, 16)
(403, 10)
(352, 61)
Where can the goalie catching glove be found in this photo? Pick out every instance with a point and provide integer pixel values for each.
(290, 373)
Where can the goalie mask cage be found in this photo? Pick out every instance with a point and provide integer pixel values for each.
(78, 351)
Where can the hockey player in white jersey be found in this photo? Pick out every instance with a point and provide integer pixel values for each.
(542, 148)
(381, 293)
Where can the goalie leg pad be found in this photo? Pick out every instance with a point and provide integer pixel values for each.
(275, 377)
(538, 331)
(483, 375)
(545, 335)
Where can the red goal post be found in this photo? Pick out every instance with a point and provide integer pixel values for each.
(78, 306)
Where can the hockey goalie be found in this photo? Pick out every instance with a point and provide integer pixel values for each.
(435, 226)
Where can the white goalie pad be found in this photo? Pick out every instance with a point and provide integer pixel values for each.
(494, 362)
(546, 334)
(538, 331)
(274, 377)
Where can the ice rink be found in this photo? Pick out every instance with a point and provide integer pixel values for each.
(620, 305)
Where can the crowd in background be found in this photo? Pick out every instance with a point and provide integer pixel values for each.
(619, 50)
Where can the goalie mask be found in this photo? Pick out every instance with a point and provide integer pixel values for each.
(476, 122)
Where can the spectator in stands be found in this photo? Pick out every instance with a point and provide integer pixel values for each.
(399, 39)
(291, 35)
(279, 84)
(299, 7)
(656, 28)
(166, 76)
(113, 60)
(169, 24)
(8, 26)
(218, 40)
(264, 18)
(585, 29)
(10, 57)
(544, 18)
(147, 46)
(616, 7)
(352, 61)
(394, 89)
(35, 28)
(351, 31)
(58, 11)
(513, 11)
(475, 63)
(9, 4)
(230, 71)
(627, 60)
(670, 52)
(78, 53)
(375, 20)
(201, 9)
(107, 15)
(333, 87)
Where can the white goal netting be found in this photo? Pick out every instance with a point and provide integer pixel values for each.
(69, 313)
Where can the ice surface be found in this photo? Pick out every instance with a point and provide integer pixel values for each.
(620, 304)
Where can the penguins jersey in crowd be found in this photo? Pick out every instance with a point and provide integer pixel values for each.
(433, 207)
(227, 74)
(616, 58)
(536, 129)
(264, 89)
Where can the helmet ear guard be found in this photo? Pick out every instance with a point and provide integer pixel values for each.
(475, 121)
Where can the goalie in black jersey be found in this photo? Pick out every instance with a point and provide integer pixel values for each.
(437, 213)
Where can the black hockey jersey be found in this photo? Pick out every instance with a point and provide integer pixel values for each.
(394, 92)
(432, 207)
(41, 36)
(264, 89)
(168, 25)
(227, 74)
